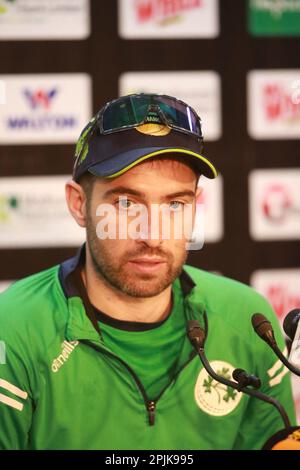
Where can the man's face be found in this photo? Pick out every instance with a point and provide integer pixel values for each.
(143, 257)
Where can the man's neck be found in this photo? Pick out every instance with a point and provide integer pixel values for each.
(121, 306)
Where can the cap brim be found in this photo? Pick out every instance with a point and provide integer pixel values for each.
(116, 166)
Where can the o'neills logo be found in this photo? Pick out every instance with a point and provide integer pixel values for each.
(280, 104)
(68, 348)
(152, 10)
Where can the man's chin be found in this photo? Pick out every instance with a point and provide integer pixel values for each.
(143, 292)
(144, 285)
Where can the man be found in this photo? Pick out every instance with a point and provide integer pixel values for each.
(97, 355)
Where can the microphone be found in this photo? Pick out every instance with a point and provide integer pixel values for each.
(197, 336)
(264, 329)
(285, 439)
(290, 323)
(291, 326)
(244, 379)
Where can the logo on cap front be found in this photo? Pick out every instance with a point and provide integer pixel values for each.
(153, 129)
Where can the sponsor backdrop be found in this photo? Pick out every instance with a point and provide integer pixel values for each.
(40, 19)
(41, 108)
(274, 17)
(237, 63)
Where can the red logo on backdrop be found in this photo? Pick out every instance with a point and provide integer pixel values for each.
(276, 203)
(40, 99)
(279, 104)
(282, 299)
(147, 10)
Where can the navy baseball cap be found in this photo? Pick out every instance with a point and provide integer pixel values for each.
(138, 127)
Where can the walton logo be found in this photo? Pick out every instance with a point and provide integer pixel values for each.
(41, 118)
(151, 10)
(67, 349)
(40, 98)
(279, 103)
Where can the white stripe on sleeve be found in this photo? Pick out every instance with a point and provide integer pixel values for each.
(13, 389)
(11, 402)
(278, 377)
(278, 364)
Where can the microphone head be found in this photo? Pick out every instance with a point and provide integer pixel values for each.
(260, 323)
(290, 323)
(236, 374)
(263, 328)
(195, 333)
(244, 379)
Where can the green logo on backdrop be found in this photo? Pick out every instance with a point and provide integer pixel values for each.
(7, 204)
(4, 5)
(274, 17)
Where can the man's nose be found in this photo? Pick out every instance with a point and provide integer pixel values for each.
(151, 234)
(151, 242)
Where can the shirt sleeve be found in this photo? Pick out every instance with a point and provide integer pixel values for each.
(262, 420)
(15, 399)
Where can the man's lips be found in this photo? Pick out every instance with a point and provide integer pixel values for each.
(147, 265)
(148, 260)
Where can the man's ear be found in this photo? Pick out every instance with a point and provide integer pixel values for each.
(76, 200)
(199, 195)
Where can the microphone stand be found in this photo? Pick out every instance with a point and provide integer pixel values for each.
(263, 328)
(197, 337)
(284, 360)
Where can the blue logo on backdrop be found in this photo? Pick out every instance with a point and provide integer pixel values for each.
(40, 117)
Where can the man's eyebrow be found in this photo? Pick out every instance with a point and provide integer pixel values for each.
(181, 193)
(123, 190)
(134, 192)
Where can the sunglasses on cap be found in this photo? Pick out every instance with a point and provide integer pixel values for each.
(134, 110)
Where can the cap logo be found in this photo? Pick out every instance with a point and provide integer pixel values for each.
(153, 129)
(82, 147)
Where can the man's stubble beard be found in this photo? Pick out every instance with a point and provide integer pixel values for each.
(117, 276)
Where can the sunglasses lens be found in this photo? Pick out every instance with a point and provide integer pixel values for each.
(127, 111)
(180, 115)
(133, 110)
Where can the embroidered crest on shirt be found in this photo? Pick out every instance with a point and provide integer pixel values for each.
(211, 396)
